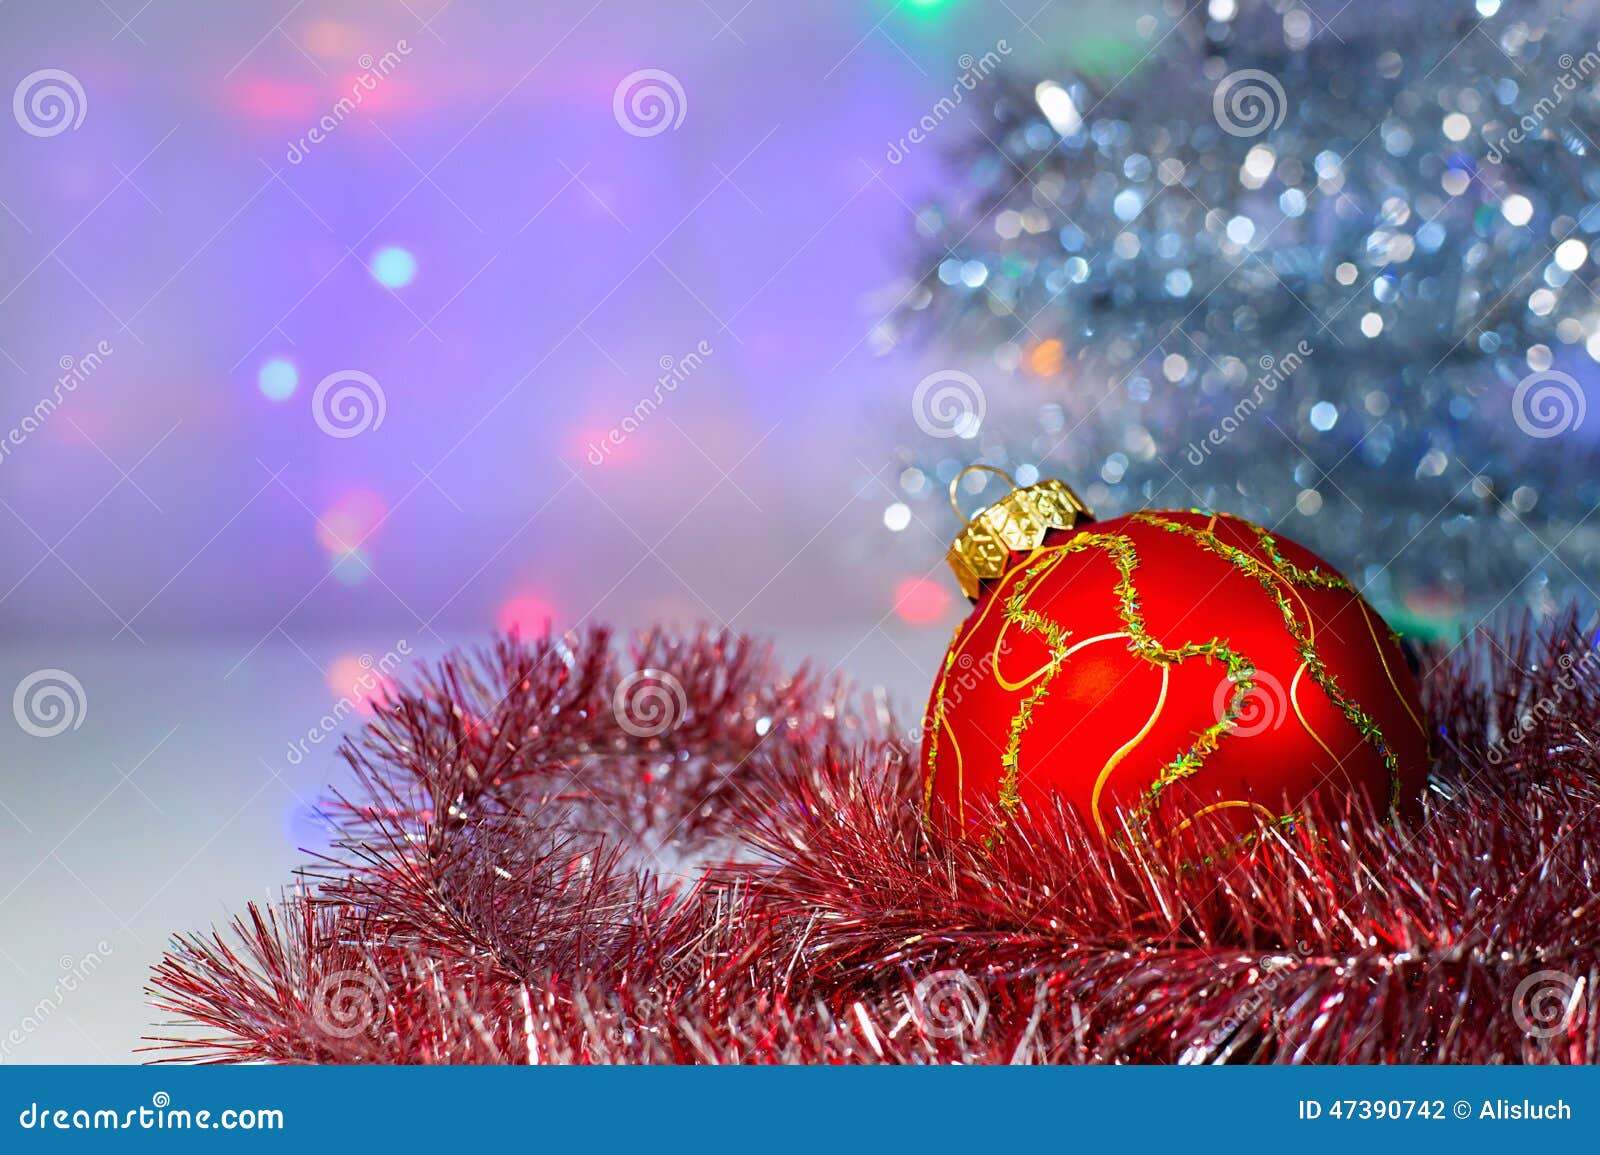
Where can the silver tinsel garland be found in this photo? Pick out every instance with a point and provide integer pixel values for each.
(1340, 279)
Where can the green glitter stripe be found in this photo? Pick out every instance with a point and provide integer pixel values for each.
(1312, 577)
(1120, 550)
(1271, 581)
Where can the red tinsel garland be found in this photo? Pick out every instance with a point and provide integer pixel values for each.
(523, 878)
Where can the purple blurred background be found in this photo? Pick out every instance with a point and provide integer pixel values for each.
(512, 268)
(488, 247)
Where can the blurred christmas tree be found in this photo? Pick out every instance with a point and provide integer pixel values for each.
(1335, 276)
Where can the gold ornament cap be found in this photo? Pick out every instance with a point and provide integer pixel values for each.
(1018, 522)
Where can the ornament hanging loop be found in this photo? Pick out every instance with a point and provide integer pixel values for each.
(977, 467)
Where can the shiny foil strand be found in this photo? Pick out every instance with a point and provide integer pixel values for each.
(522, 879)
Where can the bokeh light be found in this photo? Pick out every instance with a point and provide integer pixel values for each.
(308, 826)
(526, 614)
(266, 99)
(1045, 358)
(597, 445)
(350, 520)
(920, 600)
(353, 678)
(331, 39)
(394, 267)
(278, 379)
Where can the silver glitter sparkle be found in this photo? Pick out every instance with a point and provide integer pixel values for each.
(1338, 279)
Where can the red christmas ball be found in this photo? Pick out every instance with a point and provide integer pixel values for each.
(1160, 666)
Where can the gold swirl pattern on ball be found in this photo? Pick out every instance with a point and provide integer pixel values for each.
(1280, 578)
